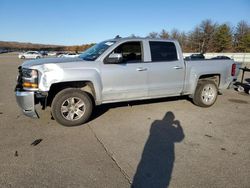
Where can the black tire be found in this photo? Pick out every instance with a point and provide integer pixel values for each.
(38, 57)
(23, 57)
(61, 102)
(203, 96)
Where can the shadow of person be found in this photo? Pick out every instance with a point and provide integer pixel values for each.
(157, 161)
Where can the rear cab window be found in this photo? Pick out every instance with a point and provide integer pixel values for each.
(163, 51)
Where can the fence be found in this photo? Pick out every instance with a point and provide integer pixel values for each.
(243, 58)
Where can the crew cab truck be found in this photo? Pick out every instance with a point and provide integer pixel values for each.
(121, 69)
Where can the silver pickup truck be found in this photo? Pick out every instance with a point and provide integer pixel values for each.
(121, 69)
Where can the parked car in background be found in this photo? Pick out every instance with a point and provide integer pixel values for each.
(59, 54)
(30, 55)
(69, 55)
(44, 53)
(221, 57)
(195, 57)
(4, 51)
(51, 53)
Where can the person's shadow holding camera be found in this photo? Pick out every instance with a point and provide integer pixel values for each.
(157, 161)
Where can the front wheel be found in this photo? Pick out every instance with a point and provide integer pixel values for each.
(206, 93)
(71, 107)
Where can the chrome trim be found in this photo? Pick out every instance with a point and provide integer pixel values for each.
(26, 101)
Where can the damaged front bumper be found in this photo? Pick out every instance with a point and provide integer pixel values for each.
(26, 101)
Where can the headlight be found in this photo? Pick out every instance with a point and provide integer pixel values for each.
(30, 78)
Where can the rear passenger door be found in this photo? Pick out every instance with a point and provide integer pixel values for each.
(165, 70)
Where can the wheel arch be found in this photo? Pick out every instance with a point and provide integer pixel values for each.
(216, 77)
(86, 86)
(213, 77)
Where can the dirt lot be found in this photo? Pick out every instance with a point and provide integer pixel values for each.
(153, 143)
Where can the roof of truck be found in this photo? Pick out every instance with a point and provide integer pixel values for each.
(139, 38)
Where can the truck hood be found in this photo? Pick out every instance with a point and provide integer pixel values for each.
(43, 61)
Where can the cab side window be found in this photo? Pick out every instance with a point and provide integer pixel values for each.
(131, 52)
(163, 51)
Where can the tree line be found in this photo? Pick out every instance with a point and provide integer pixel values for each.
(209, 36)
(19, 46)
(78, 48)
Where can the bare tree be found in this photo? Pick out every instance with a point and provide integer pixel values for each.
(175, 34)
(134, 36)
(164, 34)
(242, 37)
(207, 29)
(183, 40)
(153, 35)
(195, 40)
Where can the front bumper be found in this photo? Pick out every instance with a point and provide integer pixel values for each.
(26, 101)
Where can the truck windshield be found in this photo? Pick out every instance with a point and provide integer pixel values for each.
(95, 51)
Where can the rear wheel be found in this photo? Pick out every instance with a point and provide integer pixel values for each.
(72, 107)
(206, 93)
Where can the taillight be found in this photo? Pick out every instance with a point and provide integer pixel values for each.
(233, 71)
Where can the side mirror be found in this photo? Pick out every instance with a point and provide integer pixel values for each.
(114, 58)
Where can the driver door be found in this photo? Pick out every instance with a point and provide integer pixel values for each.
(126, 80)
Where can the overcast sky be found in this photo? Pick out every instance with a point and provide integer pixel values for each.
(70, 22)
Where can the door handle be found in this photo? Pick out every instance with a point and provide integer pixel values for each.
(178, 67)
(141, 69)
